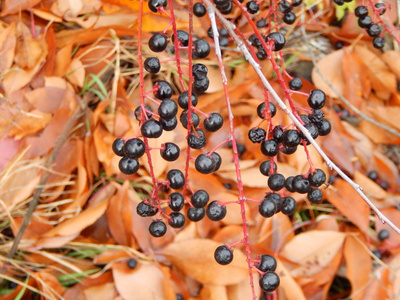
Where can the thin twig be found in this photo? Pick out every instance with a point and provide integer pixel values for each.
(240, 44)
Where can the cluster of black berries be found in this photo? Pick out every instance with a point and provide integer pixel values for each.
(341, 2)
(373, 29)
(278, 39)
(286, 8)
(374, 176)
(224, 6)
(223, 36)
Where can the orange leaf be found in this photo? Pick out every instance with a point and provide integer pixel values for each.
(15, 6)
(196, 259)
(359, 265)
(313, 251)
(7, 47)
(350, 204)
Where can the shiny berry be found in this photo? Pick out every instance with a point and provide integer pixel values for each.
(378, 42)
(199, 10)
(317, 99)
(316, 116)
(138, 112)
(176, 201)
(223, 32)
(200, 199)
(176, 179)
(252, 7)
(267, 263)
(301, 185)
(158, 42)
(184, 119)
(199, 71)
(128, 166)
(151, 129)
(214, 122)
(305, 119)
(312, 130)
(289, 18)
(324, 128)
(118, 146)
(339, 2)
(262, 111)
(287, 150)
(267, 208)
(201, 48)
(226, 9)
(373, 175)
(269, 281)
(197, 139)
(177, 220)
(257, 135)
(285, 6)
(291, 138)
(163, 90)
(217, 160)
(364, 22)
(315, 196)
(169, 125)
(295, 2)
(157, 228)
(167, 109)
(317, 178)
(223, 255)
(224, 42)
(204, 164)
(361, 11)
(170, 151)
(277, 133)
(261, 23)
(276, 182)
(183, 100)
(155, 5)
(276, 198)
(146, 210)
(269, 148)
(220, 2)
(265, 168)
(134, 148)
(215, 211)
(152, 65)
(295, 84)
(195, 214)
(289, 184)
(381, 7)
(201, 85)
(183, 38)
(279, 40)
(374, 30)
(289, 206)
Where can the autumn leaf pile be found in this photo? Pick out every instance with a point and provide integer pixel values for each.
(69, 86)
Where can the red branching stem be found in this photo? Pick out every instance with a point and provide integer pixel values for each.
(242, 198)
(312, 169)
(392, 31)
(218, 146)
(142, 97)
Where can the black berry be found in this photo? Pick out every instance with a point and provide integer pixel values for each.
(269, 282)
(163, 90)
(378, 42)
(289, 18)
(276, 182)
(364, 22)
(183, 100)
(200, 199)
(285, 6)
(199, 71)
(315, 196)
(265, 168)
(196, 139)
(184, 119)
(269, 148)
(132, 263)
(317, 99)
(252, 7)
(196, 214)
(262, 111)
(201, 85)
(276, 198)
(118, 146)
(152, 65)
(176, 179)
(201, 48)
(154, 5)
(134, 148)
(128, 166)
(183, 37)
(374, 30)
(146, 210)
(167, 109)
(257, 135)
(279, 40)
(383, 234)
(381, 7)
(295, 84)
(317, 178)
(226, 9)
(277, 133)
(267, 208)
(361, 11)
(316, 116)
(138, 112)
(204, 164)
(158, 42)
(288, 206)
(291, 138)
(373, 175)
(214, 122)
(199, 10)
(151, 129)
(157, 228)
(301, 185)
(169, 125)
(267, 263)
(223, 255)
(289, 184)
(170, 151)
(177, 220)
(215, 211)
(324, 127)
(217, 160)
(176, 201)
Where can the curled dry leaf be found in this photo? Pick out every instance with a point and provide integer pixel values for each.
(328, 67)
(144, 283)
(313, 251)
(359, 265)
(16, 6)
(195, 258)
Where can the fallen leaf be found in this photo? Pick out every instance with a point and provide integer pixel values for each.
(313, 251)
(8, 41)
(15, 6)
(195, 258)
(392, 60)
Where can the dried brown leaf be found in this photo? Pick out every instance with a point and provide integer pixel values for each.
(15, 6)
(392, 60)
(313, 251)
(8, 41)
(195, 258)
